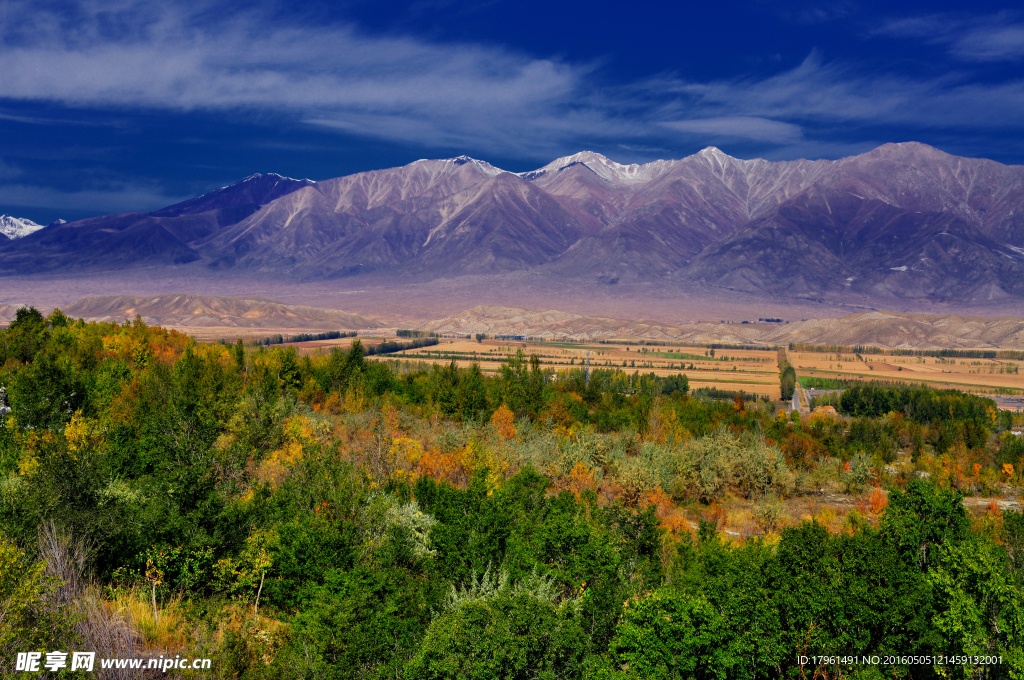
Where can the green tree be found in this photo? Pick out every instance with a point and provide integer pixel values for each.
(1013, 537)
(239, 355)
(674, 635)
(472, 394)
(493, 630)
(27, 620)
(980, 607)
(787, 381)
(921, 519)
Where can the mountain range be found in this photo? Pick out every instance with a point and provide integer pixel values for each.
(903, 221)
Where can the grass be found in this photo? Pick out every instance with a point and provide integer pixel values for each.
(570, 345)
(817, 383)
(174, 633)
(166, 632)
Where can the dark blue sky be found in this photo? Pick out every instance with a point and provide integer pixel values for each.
(132, 105)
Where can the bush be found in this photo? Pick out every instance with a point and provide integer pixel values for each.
(1011, 449)
(672, 634)
(493, 629)
(704, 468)
(29, 614)
(769, 514)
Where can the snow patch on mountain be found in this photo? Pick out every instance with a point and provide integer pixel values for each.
(449, 164)
(605, 168)
(260, 175)
(17, 227)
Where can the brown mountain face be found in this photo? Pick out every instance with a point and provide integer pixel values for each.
(902, 221)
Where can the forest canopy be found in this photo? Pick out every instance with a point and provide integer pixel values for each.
(354, 516)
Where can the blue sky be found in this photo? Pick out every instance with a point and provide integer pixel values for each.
(132, 105)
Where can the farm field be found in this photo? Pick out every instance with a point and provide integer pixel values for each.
(753, 371)
(988, 376)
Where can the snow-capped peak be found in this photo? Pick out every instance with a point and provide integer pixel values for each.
(274, 175)
(17, 227)
(716, 155)
(483, 166)
(260, 175)
(604, 168)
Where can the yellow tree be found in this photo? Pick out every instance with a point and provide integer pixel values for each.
(504, 420)
(155, 576)
(247, 573)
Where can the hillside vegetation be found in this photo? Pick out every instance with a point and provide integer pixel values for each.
(338, 516)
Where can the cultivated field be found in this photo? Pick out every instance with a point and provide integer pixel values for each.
(753, 371)
(990, 376)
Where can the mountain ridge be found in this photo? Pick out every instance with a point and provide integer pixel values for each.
(902, 221)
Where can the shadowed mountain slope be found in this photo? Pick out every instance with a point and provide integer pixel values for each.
(160, 238)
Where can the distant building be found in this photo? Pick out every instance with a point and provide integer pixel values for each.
(1013, 404)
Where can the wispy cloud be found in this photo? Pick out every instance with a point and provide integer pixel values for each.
(114, 198)
(8, 171)
(816, 13)
(159, 55)
(743, 127)
(995, 37)
(190, 56)
(817, 92)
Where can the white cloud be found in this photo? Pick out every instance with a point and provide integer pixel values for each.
(163, 57)
(743, 127)
(182, 57)
(8, 171)
(996, 37)
(991, 43)
(822, 93)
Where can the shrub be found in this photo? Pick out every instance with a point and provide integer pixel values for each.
(706, 467)
(29, 614)
(495, 629)
(769, 514)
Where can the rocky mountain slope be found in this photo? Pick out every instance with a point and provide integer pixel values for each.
(905, 221)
